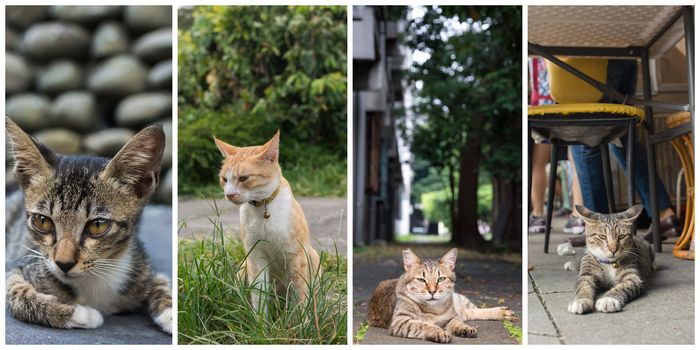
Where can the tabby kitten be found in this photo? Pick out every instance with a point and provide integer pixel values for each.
(615, 261)
(422, 304)
(273, 226)
(72, 252)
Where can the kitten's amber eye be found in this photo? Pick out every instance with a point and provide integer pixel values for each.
(441, 279)
(42, 223)
(242, 178)
(421, 280)
(98, 227)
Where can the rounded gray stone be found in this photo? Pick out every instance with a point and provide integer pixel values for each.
(110, 38)
(142, 109)
(85, 14)
(161, 75)
(53, 40)
(107, 142)
(59, 140)
(121, 75)
(24, 16)
(18, 74)
(154, 46)
(12, 39)
(30, 111)
(145, 18)
(60, 76)
(75, 110)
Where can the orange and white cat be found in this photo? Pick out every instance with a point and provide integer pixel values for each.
(273, 226)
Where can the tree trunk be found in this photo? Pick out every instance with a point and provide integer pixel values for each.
(466, 233)
(506, 224)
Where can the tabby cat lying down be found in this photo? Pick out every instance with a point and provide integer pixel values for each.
(422, 304)
(71, 243)
(615, 261)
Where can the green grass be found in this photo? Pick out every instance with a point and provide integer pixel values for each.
(361, 332)
(514, 331)
(215, 306)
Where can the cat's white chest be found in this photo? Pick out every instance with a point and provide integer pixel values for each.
(610, 273)
(271, 232)
(102, 289)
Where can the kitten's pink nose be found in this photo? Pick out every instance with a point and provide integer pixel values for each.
(232, 196)
(612, 248)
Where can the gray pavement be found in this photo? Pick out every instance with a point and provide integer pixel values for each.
(323, 215)
(155, 230)
(487, 283)
(664, 314)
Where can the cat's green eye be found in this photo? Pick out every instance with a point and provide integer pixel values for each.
(421, 280)
(98, 227)
(441, 279)
(243, 178)
(42, 223)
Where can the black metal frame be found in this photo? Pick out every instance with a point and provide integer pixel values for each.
(548, 52)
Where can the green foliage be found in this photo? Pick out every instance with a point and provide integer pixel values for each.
(514, 331)
(360, 335)
(215, 303)
(246, 71)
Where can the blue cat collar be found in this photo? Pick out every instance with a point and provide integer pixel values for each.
(608, 262)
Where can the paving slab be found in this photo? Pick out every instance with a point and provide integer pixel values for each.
(664, 314)
(155, 230)
(327, 219)
(487, 283)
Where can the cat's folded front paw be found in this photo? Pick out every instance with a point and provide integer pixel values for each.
(608, 304)
(165, 320)
(85, 317)
(580, 306)
(465, 331)
(440, 336)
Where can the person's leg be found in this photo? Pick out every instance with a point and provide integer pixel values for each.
(589, 171)
(540, 158)
(575, 223)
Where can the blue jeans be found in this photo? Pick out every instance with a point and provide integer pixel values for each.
(622, 76)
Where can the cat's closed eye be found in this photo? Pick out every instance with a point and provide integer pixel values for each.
(42, 224)
(98, 227)
(421, 280)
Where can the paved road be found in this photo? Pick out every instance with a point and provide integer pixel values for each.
(484, 282)
(664, 314)
(156, 232)
(322, 214)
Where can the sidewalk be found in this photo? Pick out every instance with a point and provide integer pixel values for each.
(487, 283)
(664, 314)
(322, 214)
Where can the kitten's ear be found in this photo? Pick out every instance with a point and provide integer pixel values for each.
(271, 150)
(631, 214)
(586, 214)
(410, 260)
(137, 164)
(32, 159)
(450, 259)
(225, 148)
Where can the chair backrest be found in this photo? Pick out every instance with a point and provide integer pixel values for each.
(567, 88)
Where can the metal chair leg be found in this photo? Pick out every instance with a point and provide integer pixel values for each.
(607, 177)
(631, 143)
(651, 169)
(551, 187)
(530, 147)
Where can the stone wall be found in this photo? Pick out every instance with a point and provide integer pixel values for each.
(85, 79)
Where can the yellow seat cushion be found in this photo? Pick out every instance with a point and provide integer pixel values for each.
(577, 108)
(568, 88)
(677, 119)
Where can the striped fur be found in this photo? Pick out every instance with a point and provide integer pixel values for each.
(421, 304)
(614, 266)
(66, 276)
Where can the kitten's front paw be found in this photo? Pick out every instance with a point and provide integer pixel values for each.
(465, 331)
(85, 317)
(608, 304)
(508, 314)
(580, 306)
(440, 336)
(165, 320)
